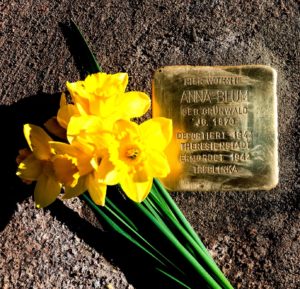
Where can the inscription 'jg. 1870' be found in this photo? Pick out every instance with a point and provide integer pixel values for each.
(225, 126)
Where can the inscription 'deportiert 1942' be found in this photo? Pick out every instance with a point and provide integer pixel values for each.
(225, 126)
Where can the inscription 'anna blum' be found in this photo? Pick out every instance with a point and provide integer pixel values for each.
(216, 170)
(208, 96)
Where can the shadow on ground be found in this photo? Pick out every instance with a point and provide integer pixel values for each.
(137, 267)
(36, 110)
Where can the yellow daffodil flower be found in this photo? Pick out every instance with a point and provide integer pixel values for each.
(141, 154)
(95, 150)
(40, 165)
(83, 155)
(103, 95)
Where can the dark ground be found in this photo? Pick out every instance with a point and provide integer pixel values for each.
(254, 236)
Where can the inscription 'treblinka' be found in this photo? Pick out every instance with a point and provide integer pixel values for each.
(225, 126)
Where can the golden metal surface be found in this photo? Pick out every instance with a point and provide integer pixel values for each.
(225, 126)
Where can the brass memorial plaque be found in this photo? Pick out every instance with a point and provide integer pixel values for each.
(225, 126)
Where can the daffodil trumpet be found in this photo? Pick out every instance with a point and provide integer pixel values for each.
(91, 145)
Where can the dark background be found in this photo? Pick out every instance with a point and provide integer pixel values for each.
(254, 236)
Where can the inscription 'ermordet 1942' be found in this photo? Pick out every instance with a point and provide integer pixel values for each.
(225, 126)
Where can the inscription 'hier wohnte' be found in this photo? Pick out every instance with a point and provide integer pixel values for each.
(212, 80)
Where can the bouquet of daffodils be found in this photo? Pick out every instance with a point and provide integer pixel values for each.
(102, 146)
(95, 144)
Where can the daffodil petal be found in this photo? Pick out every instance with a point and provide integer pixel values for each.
(157, 132)
(55, 128)
(99, 84)
(63, 148)
(83, 148)
(104, 85)
(82, 105)
(76, 191)
(80, 96)
(134, 190)
(107, 172)
(159, 164)
(84, 126)
(22, 155)
(73, 150)
(134, 104)
(63, 100)
(100, 140)
(46, 190)
(65, 169)
(30, 168)
(65, 113)
(107, 107)
(38, 141)
(125, 129)
(82, 152)
(77, 88)
(96, 190)
(115, 82)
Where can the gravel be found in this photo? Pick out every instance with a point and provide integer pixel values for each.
(254, 236)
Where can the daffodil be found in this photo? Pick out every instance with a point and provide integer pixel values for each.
(40, 165)
(95, 150)
(103, 95)
(83, 155)
(141, 152)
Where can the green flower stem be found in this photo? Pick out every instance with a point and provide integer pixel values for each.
(135, 232)
(188, 233)
(178, 213)
(203, 255)
(181, 249)
(121, 214)
(157, 198)
(173, 278)
(92, 66)
(198, 250)
(118, 229)
(151, 208)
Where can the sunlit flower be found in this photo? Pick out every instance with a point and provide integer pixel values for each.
(103, 95)
(141, 152)
(40, 165)
(104, 147)
(95, 150)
